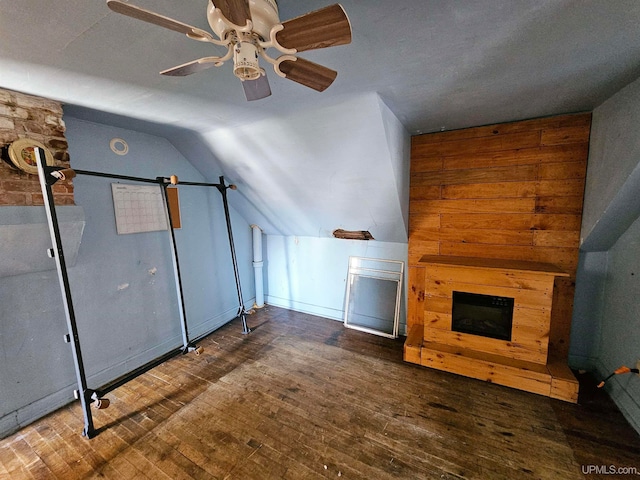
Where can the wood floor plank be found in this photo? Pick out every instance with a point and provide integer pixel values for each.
(303, 397)
(8, 459)
(169, 460)
(120, 467)
(335, 414)
(30, 460)
(366, 425)
(45, 444)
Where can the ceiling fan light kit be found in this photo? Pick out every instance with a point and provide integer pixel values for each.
(247, 29)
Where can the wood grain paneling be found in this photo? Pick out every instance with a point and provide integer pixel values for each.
(523, 156)
(480, 175)
(489, 205)
(561, 121)
(492, 237)
(516, 187)
(416, 296)
(492, 143)
(490, 190)
(488, 221)
(511, 191)
(424, 222)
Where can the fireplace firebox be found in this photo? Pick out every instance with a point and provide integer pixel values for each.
(485, 315)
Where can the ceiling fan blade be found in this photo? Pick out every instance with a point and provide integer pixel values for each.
(188, 68)
(326, 27)
(155, 18)
(308, 73)
(236, 11)
(256, 89)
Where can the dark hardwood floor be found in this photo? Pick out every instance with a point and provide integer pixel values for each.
(303, 397)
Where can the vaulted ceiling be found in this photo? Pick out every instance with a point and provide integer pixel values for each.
(308, 162)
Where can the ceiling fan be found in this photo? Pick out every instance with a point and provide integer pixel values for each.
(247, 29)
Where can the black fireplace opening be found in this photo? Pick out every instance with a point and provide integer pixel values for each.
(484, 315)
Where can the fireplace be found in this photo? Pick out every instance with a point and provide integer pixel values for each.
(485, 315)
(489, 319)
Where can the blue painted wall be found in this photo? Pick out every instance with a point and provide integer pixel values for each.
(606, 322)
(130, 325)
(30, 310)
(36, 367)
(309, 274)
(123, 285)
(620, 324)
(345, 165)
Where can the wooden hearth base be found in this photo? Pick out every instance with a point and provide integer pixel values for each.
(554, 379)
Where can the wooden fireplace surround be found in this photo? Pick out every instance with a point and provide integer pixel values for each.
(522, 362)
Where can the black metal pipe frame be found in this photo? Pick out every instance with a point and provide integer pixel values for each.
(84, 394)
(222, 188)
(186, 344)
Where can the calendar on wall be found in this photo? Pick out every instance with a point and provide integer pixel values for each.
(138, 208)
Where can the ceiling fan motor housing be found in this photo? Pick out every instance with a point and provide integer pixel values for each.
(245, 61)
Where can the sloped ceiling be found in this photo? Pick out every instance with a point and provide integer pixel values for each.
(308, 162)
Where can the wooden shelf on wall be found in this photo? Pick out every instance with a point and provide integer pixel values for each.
(480, 263)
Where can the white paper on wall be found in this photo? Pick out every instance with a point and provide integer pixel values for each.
(138, 208)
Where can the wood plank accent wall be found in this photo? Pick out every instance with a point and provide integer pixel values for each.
(512, 191)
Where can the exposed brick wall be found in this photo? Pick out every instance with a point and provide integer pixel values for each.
(40, 119)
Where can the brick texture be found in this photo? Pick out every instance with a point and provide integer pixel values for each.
(40, 119)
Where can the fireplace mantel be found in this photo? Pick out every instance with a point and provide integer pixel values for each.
(494, 264)
(520, 362)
